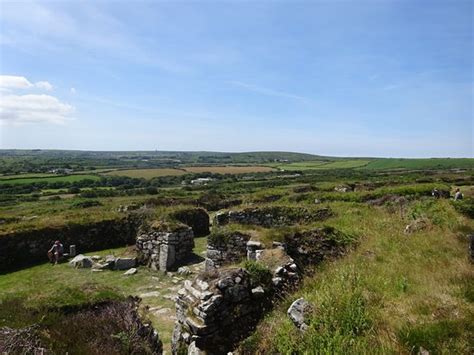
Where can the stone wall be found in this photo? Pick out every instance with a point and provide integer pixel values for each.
(310, 247)
(163, 250)
(272, 216)
(226, 247)
(214, 314)
(24, 248)
(196, 218)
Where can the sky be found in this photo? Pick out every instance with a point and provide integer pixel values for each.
(339, 78)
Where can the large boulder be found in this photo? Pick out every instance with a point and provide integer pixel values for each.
(81, 261)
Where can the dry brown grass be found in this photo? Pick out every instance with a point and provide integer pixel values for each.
(147, 173)
(229, 169)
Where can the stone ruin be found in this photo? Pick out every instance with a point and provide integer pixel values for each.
(162, 250)
(226, 248)
(214, 315)
(272, 216)
(223, 305)
(164, 246)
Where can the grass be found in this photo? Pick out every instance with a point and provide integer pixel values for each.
(66, 178)
(394, 294)
(63, 286)
(339, 164)
(435, 163)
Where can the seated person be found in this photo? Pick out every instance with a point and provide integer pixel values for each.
(56, 252)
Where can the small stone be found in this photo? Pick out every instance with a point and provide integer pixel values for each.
(298, 313)
(131, 271)
(184, 270)
(293, 267)
(258, 291)
(238, 280)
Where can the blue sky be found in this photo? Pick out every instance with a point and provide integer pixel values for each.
(344, 78)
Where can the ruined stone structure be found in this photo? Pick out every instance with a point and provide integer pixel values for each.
(215, 312)
(272, 216)
(162, 250)
(196, 218)
(223, 306)
(226, 248)
(213, 316)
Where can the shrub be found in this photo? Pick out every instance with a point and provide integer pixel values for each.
(259, 274)
(86, 204)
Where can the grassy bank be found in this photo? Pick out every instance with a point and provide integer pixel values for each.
(395, 293)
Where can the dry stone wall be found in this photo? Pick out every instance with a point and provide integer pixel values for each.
(273, 216)
(226, 248)
(215, 312)
(163, 250)
(24, 248)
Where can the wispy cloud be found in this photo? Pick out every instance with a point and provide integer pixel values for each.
(269, 92)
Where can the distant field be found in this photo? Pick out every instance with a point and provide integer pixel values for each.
(440, 163)
(229, 169)
(68, 178)
(339, 164)
(147, 173)
(151, 173)
(24, 176)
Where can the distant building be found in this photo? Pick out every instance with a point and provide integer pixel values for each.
(201, 181)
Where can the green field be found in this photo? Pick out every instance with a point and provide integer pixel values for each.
(435, 163)
(338, 164)
(32, 180)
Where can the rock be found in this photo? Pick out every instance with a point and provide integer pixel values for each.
(194, 350)
(416, 225)
(125, 263)
(252, 244)
(293, 267)
(96, 257)
(131, 271)
(203, 285)
(317, 201)
(81, 261)
(184, 270)
(258, 291)
(298, 313)
(224, 283)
